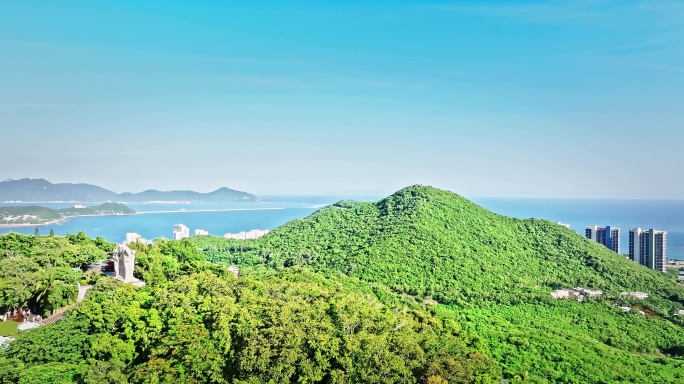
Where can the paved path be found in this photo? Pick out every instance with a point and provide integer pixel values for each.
(82, 290)
(59, 314)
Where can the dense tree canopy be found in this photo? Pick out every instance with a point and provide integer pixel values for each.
(286, 326)
(38, 271)
(435, 245)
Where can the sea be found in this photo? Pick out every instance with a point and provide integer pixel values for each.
(155, 220)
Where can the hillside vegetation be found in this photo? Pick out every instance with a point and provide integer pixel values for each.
(36, 271)
(428, 242)
(289, 326)
(435, 245)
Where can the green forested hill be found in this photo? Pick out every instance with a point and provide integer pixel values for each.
(498, 271)
(429, 242)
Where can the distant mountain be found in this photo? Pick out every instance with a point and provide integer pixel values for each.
(43, 190)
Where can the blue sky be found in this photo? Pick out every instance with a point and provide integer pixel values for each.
(554, 99)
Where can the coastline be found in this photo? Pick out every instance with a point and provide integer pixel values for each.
(66, 218)
(51, 222)
(210, 210)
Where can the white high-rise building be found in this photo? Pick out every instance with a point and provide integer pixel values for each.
(132, 237)
(180, 231)
(201, 232)
(648, 247)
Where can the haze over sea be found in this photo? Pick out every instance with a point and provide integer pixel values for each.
(220, 218)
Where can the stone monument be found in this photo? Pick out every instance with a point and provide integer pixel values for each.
(124, 262)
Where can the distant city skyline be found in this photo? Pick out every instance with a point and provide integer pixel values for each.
(498, 99)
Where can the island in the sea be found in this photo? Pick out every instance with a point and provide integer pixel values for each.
(37, 215)
(40, 190)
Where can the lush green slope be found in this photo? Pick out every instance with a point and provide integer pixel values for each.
(497, 270)
(425, 241)
(284, 327)
(569, 342)
(36, 271)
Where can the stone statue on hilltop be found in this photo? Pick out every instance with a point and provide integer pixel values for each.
(124, 262)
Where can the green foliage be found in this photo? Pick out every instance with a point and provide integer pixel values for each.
(37, 271)
(167, 260)
(56, 373)
(435, 245)
(62, 342)
(427, 242)
(291, 325)
(563, 341)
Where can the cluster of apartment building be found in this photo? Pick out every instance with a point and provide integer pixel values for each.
(250, 235)
(132, 237)
(647, 247)
(181, 231)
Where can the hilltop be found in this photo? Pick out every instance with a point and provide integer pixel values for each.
(35, 190)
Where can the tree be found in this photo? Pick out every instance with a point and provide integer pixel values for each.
(52, 232)
(36, 232)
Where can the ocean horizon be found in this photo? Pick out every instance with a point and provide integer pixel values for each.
(156, 220)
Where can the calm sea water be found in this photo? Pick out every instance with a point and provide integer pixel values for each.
(277, 210)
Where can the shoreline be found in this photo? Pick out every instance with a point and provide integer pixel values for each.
(66, 218)
(210, 210)
(51, 222)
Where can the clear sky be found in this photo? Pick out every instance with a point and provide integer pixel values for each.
(556, 98)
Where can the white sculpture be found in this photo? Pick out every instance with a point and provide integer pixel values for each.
(124, 262)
